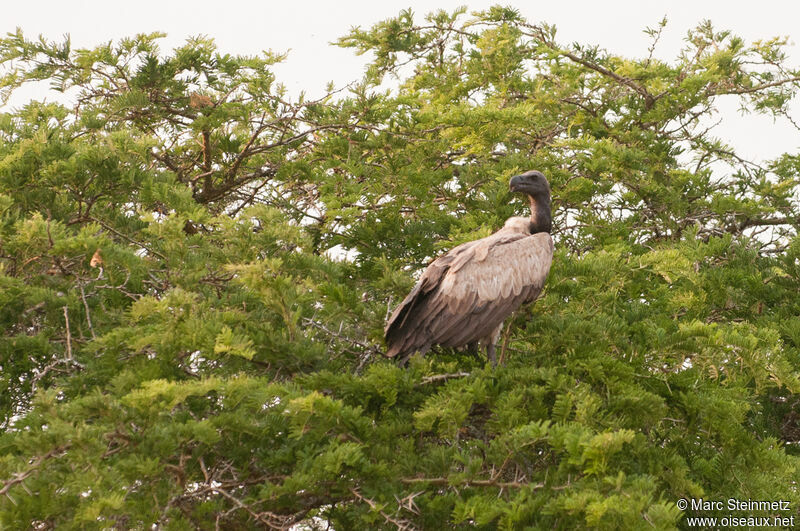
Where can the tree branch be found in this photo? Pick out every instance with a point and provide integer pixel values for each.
(473, 483)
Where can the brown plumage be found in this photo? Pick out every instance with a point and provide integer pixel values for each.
(463, 297)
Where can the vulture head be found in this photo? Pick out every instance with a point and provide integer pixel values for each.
(535, 186)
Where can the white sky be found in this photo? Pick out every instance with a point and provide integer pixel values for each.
(305, 29)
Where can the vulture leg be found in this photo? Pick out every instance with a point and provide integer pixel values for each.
(402, 361)
(472, 348)
(491, 344)
(490, 353)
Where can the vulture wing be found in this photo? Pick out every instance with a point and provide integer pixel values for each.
(467, 293)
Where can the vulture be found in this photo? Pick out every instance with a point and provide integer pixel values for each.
(463, 297)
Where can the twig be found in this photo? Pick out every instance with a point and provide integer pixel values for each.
(69, 336)
(762, 86)
(50, 366)
(656, 35)
(86, 306)
(118, 233)
(363, 361)
(628, 82)
(35, 307)
(119, 288)
(442, 377)
(388, 308)
(69, 360)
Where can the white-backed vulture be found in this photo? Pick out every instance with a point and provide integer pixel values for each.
(463, 297)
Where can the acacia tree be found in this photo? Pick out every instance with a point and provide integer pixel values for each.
(196, 268)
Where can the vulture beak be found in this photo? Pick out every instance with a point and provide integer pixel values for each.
(517, 182)
(531, 182)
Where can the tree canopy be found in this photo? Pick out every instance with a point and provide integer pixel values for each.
(196, 267)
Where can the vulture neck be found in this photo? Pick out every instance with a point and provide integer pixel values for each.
(541, 220)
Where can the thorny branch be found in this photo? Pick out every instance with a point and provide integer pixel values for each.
(367, 350)
(37, 462)
(400, 523)
(223, 480)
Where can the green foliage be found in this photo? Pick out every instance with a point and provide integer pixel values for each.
(195, 271)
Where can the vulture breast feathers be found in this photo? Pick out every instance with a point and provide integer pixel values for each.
(464, 296)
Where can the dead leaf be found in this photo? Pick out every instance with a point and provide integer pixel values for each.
(199, 101)
(97, 260)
